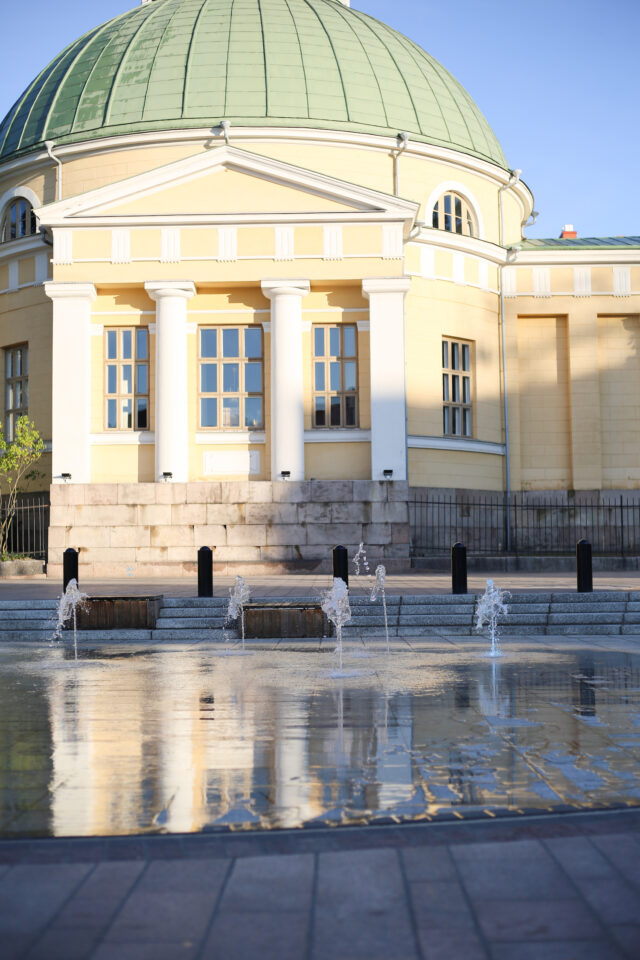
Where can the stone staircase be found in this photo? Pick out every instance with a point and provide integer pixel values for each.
(604, 613)
(194, 619)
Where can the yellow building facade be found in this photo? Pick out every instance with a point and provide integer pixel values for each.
(256, 322)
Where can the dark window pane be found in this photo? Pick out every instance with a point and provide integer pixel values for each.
(112, 344)
(446, 420)
(253, 377)
(466, 423)
(127, 345)
(466, 360)
(141, 344)
(455, 356)
(458, 207)
(141, 414)
(445, 354)
(321, 416)
(230, 377)
(231, 412)
(112, 379)
(447, 222)
(334, 375)
(318, 336)
(334, 341)
(455, 421)
(349, 375)
(445, 386)
(466, 390)
(208, 343)
(231, 343)
(447, 203)
(350, 411)
(319, 376)
(455, 389)
(335, 411)
(435, 221)
(349, 341)
(112, 414)
(253, 412)
(253, 342)
(127, 414)
(458, 224)
(208, 378)
(127, 378)
(142, 378)
(208, 412)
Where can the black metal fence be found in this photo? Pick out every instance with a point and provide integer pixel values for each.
(521, 524)
(29, 529)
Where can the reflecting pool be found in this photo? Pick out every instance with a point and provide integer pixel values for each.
(133, 740)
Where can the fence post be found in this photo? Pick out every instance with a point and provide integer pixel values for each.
(341, 564)
(458, 568)
(205, 572)
(584, 566)
(69, 566)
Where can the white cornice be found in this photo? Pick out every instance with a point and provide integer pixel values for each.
(122, 438)
(22, 247)
(338, 435)
(90, 208)
(230, 438)
(457, 444)
(442, 239)
(563, 256)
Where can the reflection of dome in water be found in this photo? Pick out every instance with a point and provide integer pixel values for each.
(171, 64)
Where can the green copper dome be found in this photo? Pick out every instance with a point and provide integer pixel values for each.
(178, 64)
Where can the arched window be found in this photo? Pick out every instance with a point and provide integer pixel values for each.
(18, 221)
(452, 212)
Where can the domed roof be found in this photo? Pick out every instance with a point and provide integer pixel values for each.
(177, 64)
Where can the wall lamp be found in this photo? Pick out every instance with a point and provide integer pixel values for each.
(285, 474)
(167, 475)
(66, 477)
(387, 474)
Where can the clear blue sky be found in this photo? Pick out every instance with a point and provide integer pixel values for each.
(558, 80)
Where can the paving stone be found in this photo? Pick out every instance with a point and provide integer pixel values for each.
(526, 920)
(165, 916)
(627, 936)
(557, 950)
(64, 943)
(510, 879)
(473, 853)
(428, 863)
(613, 899)
(441, 905)
(31, 895)
(623, 850)
(451, 945)
(183, 950)
(265, 936)
(361, 910)
(279, 883)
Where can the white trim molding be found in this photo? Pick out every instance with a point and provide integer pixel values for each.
(455, 443)
(341, 435)
(284, 243)
(62, 246)
(582, 281)
(541, 282)
(120, 245)
(170, 245)
(19, 193)
(332, 241)
(227, 244)
(621, 281)
(122, 438)
(230, 438)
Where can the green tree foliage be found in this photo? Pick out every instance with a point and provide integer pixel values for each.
(17, 461)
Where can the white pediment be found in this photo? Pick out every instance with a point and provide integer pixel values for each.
(227, 185)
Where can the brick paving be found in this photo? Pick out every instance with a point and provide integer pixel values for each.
(545, 888)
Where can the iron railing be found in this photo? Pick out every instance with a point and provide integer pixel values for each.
(29, 529)
(523, 524)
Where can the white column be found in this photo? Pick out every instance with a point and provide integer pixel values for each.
(71, 380)
(388, 387)
(287, 411)
(172, 438)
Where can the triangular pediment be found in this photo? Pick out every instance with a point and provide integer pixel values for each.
(225, 184)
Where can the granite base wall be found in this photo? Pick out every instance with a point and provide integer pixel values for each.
(155, 529)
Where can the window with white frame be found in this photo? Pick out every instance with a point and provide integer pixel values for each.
(335, 376)
(457, 388)
(452, 213)
(127, 378)
(230, 378)
(16, 402)
(18, 221)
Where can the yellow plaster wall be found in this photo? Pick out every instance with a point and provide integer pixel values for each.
(25, 317)
(544, 427)
(122, 464)
(454, 468)
(619, 364)
(26, 270)
(337, 461)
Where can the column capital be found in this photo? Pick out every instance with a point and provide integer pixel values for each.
(385, 285)
(59, 290)
(295, 288)
(170, 288)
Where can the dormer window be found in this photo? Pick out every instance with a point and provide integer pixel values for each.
(18, 221)
(452, 213)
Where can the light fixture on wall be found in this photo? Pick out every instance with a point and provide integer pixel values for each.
(387, 474)
(285, 474)
(66, 477)
(167, 475)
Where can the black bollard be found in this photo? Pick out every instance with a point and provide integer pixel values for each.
(341, 564)
(69, 566)
(458, 568)
(205, 572)
(584, 566)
